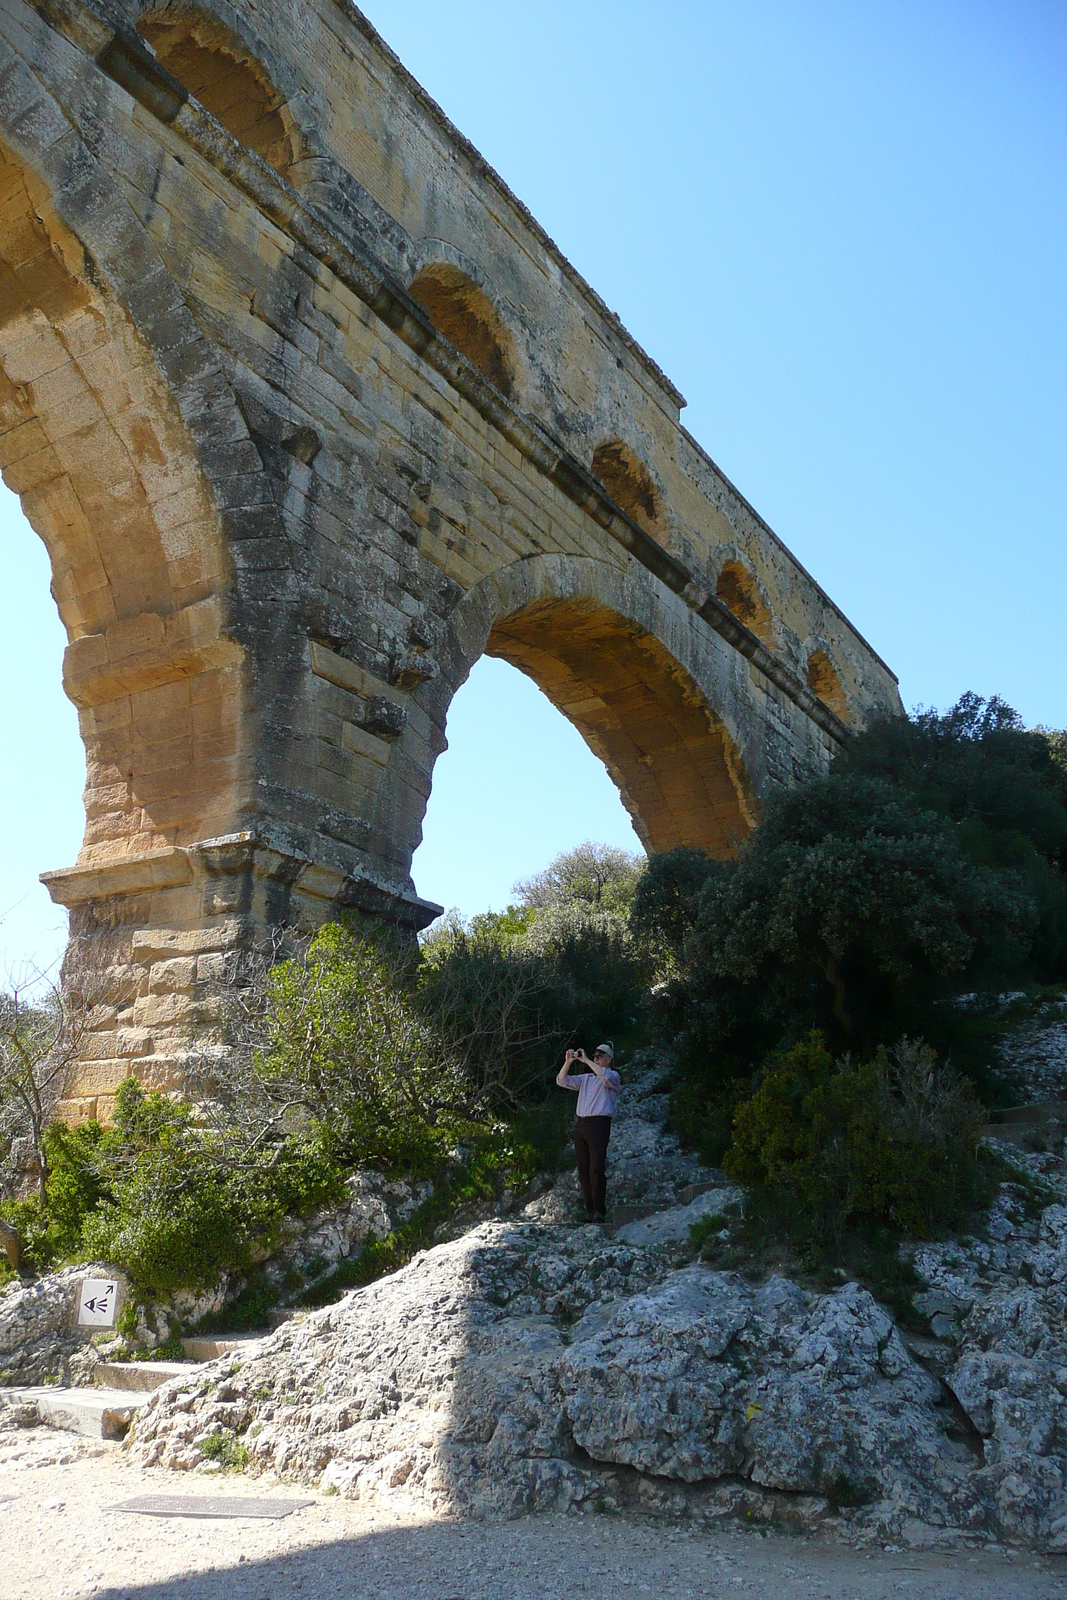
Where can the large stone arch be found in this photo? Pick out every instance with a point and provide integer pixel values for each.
(119, 434)
(286, 514)
(625, 661)
(92, 441)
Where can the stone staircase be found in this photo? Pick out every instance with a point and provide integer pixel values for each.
(105, 1410)
(1028, 1125)
(619, 1216)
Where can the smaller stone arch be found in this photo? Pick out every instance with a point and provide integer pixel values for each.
(227, 79)
(629, 483)
(460, 309)
(743, 597)
(619, 657)
(824, 681)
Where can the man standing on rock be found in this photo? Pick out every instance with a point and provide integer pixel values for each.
(598, 1092)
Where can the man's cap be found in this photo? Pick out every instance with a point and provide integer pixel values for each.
(607, 1049)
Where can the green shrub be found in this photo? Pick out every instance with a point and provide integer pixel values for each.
(893, 1139)
(172, 1202)
(76, 1185)
(1002, 785)
(851, 911)
(496, 1004)
(931, 863)
(546, 1130)
(977, 765)
(666, 902)
(250, 1309)
(39, 1251)
(344, 1039)
(562, 967)
(228, 1451)
(703, 1117)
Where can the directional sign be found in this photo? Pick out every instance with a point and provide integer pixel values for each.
(98, 1303)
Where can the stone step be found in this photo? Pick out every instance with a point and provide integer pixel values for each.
(95, 1413)
(1019, 1124)
(620, 1215)
(1037, 1111)
(207, 1347)
(143, 1377)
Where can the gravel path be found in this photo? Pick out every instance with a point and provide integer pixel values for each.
(61, 1539)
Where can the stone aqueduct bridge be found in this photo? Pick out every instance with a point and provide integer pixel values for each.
(310, 413)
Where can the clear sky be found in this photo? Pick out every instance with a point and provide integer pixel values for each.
(841, 229)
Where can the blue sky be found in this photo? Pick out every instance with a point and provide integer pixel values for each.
(841, 229)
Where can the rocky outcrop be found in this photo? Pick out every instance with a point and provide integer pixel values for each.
(533, 1364)
(704, 1377)
(38, 1338)
(998, 1309)
(525, 1368)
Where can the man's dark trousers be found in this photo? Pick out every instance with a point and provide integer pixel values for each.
(591, 1135)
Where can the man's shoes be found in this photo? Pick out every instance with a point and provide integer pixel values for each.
(598, 1216)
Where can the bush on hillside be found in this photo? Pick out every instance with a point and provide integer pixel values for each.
(332, 1065)
(172, 1201)
(496, 1003)
(850, 910)
(565, 952)
(929, 864)
(977, 765)
(889, 1140)
(1002, 785)
(339, 1037)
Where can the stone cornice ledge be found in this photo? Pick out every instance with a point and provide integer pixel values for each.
(233, 855)
(167, 868)
(124, 57)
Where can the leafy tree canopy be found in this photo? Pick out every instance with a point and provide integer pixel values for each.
(851, 910)
(597, 877)
(1005, 786)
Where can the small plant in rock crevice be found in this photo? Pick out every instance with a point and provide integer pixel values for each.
(227, 1451)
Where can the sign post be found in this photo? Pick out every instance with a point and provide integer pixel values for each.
(98, 1302)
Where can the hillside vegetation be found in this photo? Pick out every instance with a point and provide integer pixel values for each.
(818, 1001)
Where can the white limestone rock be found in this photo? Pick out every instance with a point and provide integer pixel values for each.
(38, 1337)
(523, 1368)
(439, 1382)
(703, 1376)
(672, 1225)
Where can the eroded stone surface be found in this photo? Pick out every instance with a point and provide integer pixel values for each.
(999, 1306)
(532, 1364)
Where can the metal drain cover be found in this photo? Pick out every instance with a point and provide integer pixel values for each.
(190, 1505)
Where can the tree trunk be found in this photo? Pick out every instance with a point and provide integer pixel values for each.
(12, 1244)
(832, 973)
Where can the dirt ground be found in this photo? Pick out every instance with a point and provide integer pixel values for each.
(61, 1538)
